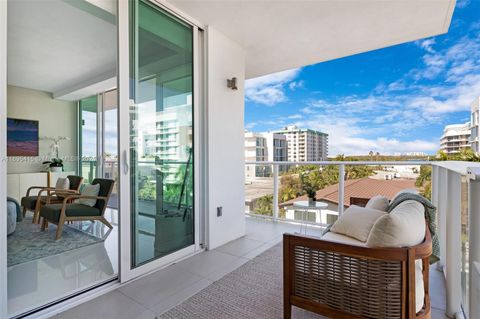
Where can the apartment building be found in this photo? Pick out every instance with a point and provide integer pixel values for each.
(305, 144)
(475, 125)
(455, 138)
(264, 147)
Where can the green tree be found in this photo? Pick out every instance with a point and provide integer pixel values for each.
(424, 179)
(290, 188)
(264, 205)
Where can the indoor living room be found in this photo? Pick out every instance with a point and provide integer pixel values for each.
(62, 151)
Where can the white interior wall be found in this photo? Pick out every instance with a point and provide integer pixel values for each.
(56, 118)
(226, 158)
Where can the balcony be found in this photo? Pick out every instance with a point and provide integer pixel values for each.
(454, 189)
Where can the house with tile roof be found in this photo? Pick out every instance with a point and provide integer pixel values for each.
(356, 191)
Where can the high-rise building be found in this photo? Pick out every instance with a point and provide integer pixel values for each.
(264, 147)
(475, 125)
(305, 144)
(455, 138)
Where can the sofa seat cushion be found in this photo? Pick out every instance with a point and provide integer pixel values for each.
(357, 222)
(419, 288)
(52, 212)
(31, 201)
(342, 239)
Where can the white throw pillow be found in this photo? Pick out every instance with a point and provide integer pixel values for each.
(404, 226)
(357, 222)
(378, 202)
(89, 190)
(62, 184)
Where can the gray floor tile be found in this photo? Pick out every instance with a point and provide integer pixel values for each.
(207, 263)
(438, 314)
(437, 289)
(240, 247)
(113, 305)
(153, 288)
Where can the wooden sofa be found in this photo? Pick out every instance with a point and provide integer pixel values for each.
(346, 281)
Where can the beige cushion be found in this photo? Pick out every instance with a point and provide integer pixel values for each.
(62, 184)
(357, 222)
(378, 202)
(342, 239)
(403, 227)
(419, 288)
(89, 190)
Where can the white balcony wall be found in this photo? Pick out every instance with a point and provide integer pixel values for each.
(226, 158)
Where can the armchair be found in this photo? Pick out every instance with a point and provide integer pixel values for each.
(48, 195)
(340, 280)
(66, 211)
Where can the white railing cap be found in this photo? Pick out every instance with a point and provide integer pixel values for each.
(340, 163)
(459, 167)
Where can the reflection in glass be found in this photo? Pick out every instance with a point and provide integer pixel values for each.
(88, 137)
(161, 135)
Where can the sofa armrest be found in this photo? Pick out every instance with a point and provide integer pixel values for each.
(347, 281)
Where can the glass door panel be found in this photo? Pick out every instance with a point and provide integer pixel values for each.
(161, 137)
(110, 142)
(88, 138)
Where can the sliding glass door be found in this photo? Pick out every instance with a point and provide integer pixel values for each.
(161, 134)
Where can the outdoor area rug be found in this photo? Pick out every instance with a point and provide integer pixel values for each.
(255, 290)
(28, 242)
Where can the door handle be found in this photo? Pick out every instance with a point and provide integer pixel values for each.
(126, 167)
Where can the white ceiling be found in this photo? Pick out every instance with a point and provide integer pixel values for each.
(56, 47)
(286, 34)
(61, 47)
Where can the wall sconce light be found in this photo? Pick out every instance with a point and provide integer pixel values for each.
(232, 83)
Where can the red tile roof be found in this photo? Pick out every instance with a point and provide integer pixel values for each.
(363, 188)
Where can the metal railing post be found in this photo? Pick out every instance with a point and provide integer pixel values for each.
(442, 200)
(474, 239)
(275, 191)
(453, 253)
(341, 188)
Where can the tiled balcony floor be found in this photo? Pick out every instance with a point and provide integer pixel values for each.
(166, 288)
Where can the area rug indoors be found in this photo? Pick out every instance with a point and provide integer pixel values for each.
(28, 242)
(254, 291)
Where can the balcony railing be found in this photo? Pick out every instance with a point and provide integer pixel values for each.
(455, 193)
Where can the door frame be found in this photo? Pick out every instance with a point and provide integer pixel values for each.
(3, 157)
(126, 272)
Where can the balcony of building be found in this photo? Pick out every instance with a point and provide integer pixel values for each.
(453, 286)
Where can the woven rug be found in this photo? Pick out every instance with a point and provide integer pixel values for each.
(28, 242)
(253, 291)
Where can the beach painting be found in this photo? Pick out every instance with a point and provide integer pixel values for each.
(22, 137)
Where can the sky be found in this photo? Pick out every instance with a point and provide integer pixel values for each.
(392, 100)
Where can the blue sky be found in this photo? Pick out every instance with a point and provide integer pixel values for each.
(396, 99)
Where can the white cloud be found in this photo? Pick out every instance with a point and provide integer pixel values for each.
(427, 44)
(270, 89)
(295, 117)
(296, 85)
(462, 3)
(347, 137)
